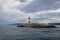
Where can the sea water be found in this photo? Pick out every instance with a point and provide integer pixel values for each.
(12, 32)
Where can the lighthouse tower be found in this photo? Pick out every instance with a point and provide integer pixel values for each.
(29, 20)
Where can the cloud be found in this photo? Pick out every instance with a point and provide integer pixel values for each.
(48, 11)
(49, 16)
(10, 12)
(25, 3)
(40, 5)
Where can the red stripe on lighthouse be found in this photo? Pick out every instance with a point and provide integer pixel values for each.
(28, 20)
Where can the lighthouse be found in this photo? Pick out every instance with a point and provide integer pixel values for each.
(29, 20)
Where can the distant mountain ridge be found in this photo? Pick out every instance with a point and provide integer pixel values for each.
(16, 24)
(48, 23)
(54, 23)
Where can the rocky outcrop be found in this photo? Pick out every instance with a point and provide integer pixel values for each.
(36, 25)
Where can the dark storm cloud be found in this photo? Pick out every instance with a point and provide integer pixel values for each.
(39, 5)
(22, 0)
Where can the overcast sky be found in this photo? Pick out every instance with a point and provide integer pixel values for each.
(42, 11)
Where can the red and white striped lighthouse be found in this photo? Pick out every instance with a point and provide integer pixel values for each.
(29, 20)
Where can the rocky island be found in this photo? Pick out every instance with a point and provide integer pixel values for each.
(36, 25)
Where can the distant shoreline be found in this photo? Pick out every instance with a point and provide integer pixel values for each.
(22, 23)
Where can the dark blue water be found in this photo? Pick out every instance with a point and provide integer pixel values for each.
(9, 32)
